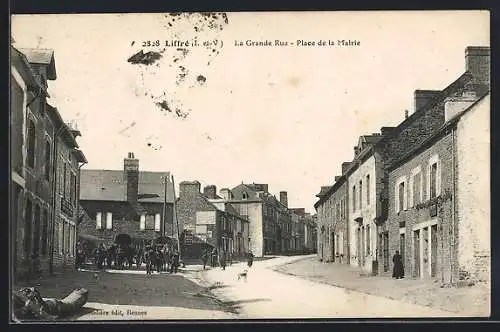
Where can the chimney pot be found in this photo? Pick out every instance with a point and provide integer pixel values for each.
(284, 198)
(406, 114)
(477, 62)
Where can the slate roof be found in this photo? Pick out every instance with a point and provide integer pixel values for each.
(42, 56)
(110, 185)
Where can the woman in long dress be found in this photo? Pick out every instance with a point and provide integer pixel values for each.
(398, 270)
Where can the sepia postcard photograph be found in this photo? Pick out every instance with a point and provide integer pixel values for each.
(249, 165)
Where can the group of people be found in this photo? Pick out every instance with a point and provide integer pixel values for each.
(161, 259)
(221, 258)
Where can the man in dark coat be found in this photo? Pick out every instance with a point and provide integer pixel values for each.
(214, 257)
(223, 259)
(175, 262)
(204, 258)
(398, 270)
(250, 259)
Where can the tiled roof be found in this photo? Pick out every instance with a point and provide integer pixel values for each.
(110, 185)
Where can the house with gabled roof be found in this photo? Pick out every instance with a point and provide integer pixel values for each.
(136, 203)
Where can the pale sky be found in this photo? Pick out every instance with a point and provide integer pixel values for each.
(287, 116)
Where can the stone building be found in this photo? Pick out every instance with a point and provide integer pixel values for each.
(332, 223)
(266, 214)
(68, 161)
(209, 221)
(129, 201)
(428, 119)
(439, 211)
(37, 133)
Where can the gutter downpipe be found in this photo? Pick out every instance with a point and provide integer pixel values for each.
(54, 195)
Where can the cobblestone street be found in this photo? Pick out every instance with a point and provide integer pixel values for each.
(467, 301)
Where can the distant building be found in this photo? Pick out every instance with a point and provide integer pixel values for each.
(266, 214)
(208, 221)
(127, 202)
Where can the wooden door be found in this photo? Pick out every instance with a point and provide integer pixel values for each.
(426, 253)
(385, 247)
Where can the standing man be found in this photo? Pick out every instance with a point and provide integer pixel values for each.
(223, 259)
(214, 257)
(204, 258)
(250, 258)
(398, 270)
(175, 262)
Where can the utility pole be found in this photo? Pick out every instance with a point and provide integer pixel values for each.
(176, 221)
(163, 220)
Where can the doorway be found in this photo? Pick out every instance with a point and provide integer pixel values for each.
(385, 248)
(425, 250)
(402, 244)
(333, 246)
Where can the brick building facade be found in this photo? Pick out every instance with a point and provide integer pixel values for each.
(132, 202)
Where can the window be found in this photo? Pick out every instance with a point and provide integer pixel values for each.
(157, 222)
(98, 220)
(360, 194)
(354, 198)
(433, 180)
(245, 195)
(73, 189)
(31, 143)
(142, 223)
(45, 225)
(47, 160)
(368, 189)
(67, 238)
(368, 240)
(401, 196)
(109, 220)
(150, 222)
(27, 226)
(60, 234)
(64, 180)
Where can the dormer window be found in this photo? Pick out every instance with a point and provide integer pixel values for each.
(245, 195)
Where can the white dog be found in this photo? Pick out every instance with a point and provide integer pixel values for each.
(243, 275)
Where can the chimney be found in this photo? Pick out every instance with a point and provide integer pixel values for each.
(345, 167)
(422, 97)
(189, 188)
(337, 178)
(406, 114)
(454, 106)
(356, 151)
(284, 198)
(226, 193)
(210, 191)
(477, 62)
(131, 172)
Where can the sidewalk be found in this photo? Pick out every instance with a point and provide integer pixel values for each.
(470, 301)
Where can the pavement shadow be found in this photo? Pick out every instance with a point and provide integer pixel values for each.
(235, 306)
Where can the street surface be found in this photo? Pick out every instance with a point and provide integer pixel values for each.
(270, 294)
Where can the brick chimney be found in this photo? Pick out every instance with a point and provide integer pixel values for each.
(210, 191)
(356, 151)
(337, 178)
(226, 193)
(454, 106)
(189, 188)
(284, 198)
(422, 97)
(131, 173)
(477, 62)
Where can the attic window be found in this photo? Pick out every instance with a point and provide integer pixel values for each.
(245, 195)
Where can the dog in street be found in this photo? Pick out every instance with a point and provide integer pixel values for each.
(243, 275)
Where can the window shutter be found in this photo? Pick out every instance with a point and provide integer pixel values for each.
(411, 187)
(157, 222)
(98, 220)
(405, 196)
(438, 178)
(109, 220)
(143, 222)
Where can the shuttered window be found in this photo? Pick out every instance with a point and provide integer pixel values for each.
(98, 220)
(157, 222)
(142, 224)
(109, 220)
